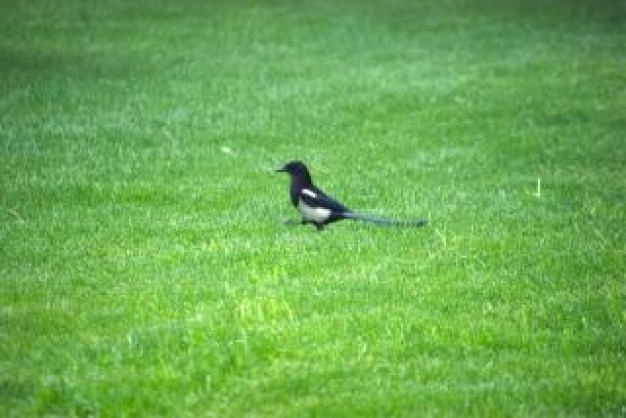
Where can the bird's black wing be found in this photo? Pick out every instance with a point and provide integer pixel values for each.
(314, 197)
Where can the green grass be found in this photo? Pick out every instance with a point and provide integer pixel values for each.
(145, 270)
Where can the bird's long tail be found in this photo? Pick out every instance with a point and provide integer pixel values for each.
(384, 221)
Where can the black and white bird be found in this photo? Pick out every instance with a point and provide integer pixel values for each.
(319, 209)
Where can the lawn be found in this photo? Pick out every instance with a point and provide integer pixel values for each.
(146, 271)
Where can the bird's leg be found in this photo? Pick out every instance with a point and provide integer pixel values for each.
(317, 226)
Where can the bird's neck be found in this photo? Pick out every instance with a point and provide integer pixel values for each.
(303, 180)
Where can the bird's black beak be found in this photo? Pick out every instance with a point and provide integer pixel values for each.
(281, 170)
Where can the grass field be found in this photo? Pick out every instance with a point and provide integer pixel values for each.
(144, 267)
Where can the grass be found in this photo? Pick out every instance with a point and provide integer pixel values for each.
(144, 267)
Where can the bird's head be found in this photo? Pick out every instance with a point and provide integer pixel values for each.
(297, 170)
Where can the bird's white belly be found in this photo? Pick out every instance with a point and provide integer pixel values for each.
(313, 214)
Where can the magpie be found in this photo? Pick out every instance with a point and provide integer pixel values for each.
(319, 209)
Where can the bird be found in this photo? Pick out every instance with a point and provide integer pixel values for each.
(319, 209)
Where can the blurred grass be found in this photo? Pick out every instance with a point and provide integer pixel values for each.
(144, 267)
